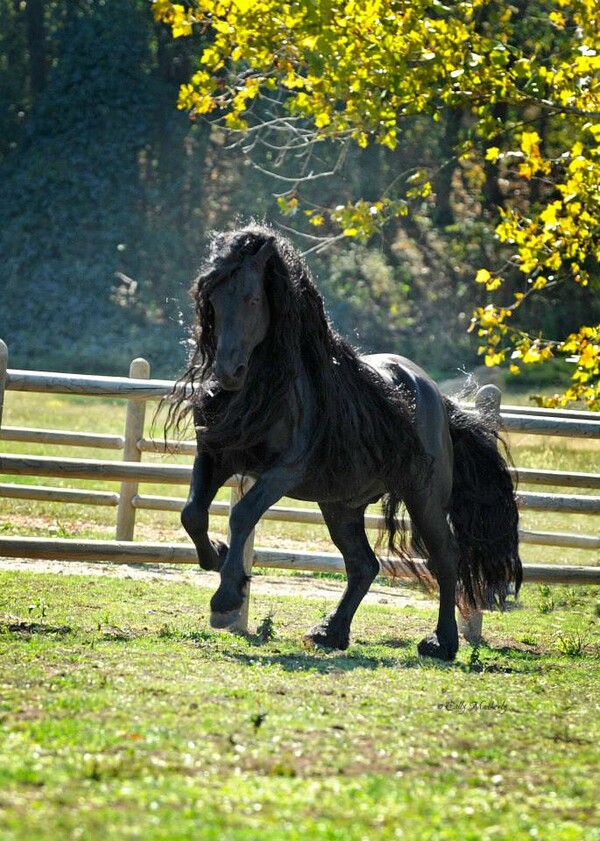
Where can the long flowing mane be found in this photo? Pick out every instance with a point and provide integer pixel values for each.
(364, 424)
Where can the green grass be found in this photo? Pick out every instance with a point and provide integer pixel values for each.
(123, 716)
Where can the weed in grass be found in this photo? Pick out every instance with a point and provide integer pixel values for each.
(258, 720)
(575, 642)
(167, 631)
(266, 630)
(38, 607)
(546, 599)
(475, 662)
(529, 640)
(62, 530)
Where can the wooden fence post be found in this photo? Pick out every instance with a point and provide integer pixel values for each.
(237, 492)
(3, 367)
(134, 431)
(487, 402)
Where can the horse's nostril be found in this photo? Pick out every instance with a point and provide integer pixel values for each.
(239, 372)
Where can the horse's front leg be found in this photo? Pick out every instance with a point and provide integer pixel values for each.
(207, 478)
(227, 601)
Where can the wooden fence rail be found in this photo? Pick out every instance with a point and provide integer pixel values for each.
(130, 472)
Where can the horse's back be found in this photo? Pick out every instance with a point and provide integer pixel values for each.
(431, 418)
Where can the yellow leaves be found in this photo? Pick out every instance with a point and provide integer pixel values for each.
(288, 205)
(536, 353)
(181, 22)
(322, 119)
(361, 219)
(530, 142)
(493, 358)
(234, 122)
(594, 130)
(180, 18)
(310, 41)
(554, 261)
(549, 215)
(489, 317)
(589, 356)
(558, 19)
(586, 344)
(492, 154)
(533, 162)
(585, 347)
(161, 9)
(243, 5)
(485, 277)
(211, 57)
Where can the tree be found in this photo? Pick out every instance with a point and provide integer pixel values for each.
(513, 93)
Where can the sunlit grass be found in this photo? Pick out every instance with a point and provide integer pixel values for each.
(122, 715)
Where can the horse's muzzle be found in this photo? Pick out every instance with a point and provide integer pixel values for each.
(231, 381)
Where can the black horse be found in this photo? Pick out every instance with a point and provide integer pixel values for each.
(278, 395)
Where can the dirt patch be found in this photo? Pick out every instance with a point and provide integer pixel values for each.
(305, 584)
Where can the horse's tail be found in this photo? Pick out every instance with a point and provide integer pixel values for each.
(483, 512)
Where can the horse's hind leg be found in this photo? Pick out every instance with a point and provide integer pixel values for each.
(429, 518)
(347, 529)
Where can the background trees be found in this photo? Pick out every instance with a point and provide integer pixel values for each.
(427, 117)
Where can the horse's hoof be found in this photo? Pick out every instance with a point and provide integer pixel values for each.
(320, 637)
(224, 620)
(431, 647)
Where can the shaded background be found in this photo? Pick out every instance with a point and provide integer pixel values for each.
(107, 194)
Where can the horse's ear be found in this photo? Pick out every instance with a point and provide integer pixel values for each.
(266, 250)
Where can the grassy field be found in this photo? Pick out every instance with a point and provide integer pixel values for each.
(122, 716)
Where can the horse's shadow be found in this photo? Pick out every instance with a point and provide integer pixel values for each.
(322, 663)
(29, 629)
(326, 661)
(329, 661)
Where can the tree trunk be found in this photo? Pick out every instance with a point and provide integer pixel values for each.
(444, 212)
(492, 194)
(36, 42)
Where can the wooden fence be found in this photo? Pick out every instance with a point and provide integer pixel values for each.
(130, 472)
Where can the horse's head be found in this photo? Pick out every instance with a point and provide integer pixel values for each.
(241, 318)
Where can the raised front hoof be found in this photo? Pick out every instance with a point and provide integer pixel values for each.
(224, 620)
(322, 637)
(432, 647)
